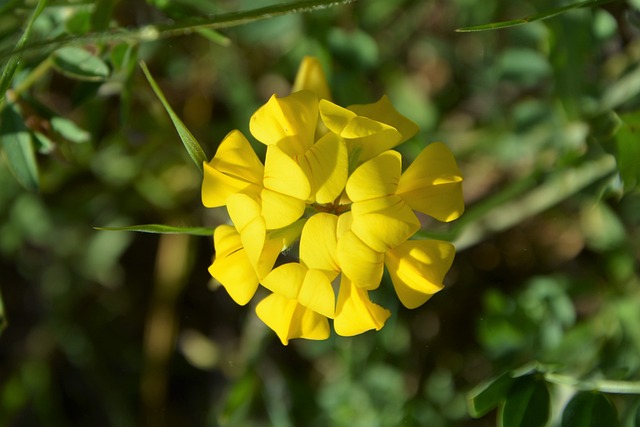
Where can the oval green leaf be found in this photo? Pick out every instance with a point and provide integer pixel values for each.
(17, 146)
(79, 64)
(69, 130)
(589, 409)
(527, 404)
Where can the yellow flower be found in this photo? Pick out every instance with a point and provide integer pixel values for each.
(331, 180)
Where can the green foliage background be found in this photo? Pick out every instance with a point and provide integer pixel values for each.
(107, 328)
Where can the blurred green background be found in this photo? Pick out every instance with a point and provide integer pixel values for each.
(110, 328)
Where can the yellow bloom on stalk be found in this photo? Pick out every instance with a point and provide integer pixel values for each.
(331, 180)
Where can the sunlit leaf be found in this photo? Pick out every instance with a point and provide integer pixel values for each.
(190, 143)
(532, 18)
(489, 395)
(589, 409)
(17, 146)
(162, 229)
(527, 404)
(78, 63)
(69, 130)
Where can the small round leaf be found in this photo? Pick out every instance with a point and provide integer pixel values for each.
(79, 64)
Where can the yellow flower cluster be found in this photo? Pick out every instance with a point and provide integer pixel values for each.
(331, 181)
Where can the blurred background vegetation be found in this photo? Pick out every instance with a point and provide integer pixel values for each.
(109, 328)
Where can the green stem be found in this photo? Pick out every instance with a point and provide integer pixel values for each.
(532, 18)
(156, 32)
(602, 385)
(35, 75)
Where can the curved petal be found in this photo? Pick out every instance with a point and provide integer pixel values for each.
(361, 264)
(317, 294)
(383, 223)
(311, 288)
(383, 111)
(261, 251)
(231, 266)
(286, 280)
(417, 269)
(283, 175)
(289, 122)
(432, 184)
(318, 242)
(375, 178)
(311, 77)
(326, 165)
(288, 319)
(335, 117)
(355, 313)
(280, 210)
(245, 215)
(235, 168)
(366, 138)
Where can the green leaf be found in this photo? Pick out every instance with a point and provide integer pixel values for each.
(162, 229)
(532, 18)
(80, 64)
(628, 150)
(589, 409)
(190, 143)
(489, 395)
(69, 130)
(101, 15)
(17, 146)
(12, 64)
(527, 403)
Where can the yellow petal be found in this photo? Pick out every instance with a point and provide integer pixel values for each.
(344, 223)
(235, 168)
(283, 175)
(361, 264)
(280, 210)
(367, 138)
(311, 288)
(383, 223)
(318, 242)
(417, 269)
(432, 184)
(288, 319)
(335, 117)
(383, 111)
(355, 313)
(245, 214)
(286, 280)
(311, 77)
(375, 178)
(231, 266)
(317, 294)
(289, 122)
(326, 165)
